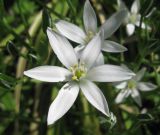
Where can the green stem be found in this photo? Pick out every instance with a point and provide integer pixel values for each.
(21, 67)
(90, 122)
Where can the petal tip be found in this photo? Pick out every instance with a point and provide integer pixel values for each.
(106, 113)
(125, 49)
(87, 3)
(49, 122)
(25, 73)
(49, 29)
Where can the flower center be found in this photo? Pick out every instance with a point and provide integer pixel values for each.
(78, 71)
(133, 18)
(131, 84)
(90, 35)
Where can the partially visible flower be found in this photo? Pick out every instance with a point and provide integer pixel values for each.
(113, 120)
(133, 18)
(82, 37)
(132, 87)
(79, 74)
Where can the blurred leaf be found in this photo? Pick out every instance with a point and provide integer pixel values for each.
(34, 57)
(72, 7)
(12, 48)
(42, 49)
(8, 101)
(158, 78)
(147, 5)
(27, 7)
(2, 11)
(46, 20)
(145, 117)
(7, 81)
(7, 78)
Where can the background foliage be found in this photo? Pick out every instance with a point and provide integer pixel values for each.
(24, 102)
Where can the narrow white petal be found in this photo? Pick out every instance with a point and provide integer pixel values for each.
(113, 23)
(110, 46)
(100, 60)
(78, 50)
(146, 86)
(139, 74)
(109, 73)
(122, 95)
(71, 31)
(94, 96)
(135, 6)
(89, 18)
(49, 73)
(63, 102)
(130, 28)
(120, 85)
(91, 52)
(136, 96)
(62, 48)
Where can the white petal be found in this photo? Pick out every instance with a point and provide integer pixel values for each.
(135, 6)
(109, 73)
(130, 28)
(63, 102)
(120, 85)
(62, 48)
(121, 5)
(71, 31)
(110, 46)
(113, 23)
(143, 25)
(78, 50)
(91, 51)
(94, 96)
(100, 60)
(136, 96)
(126, 68)
(146, 86)
(49, 73)
(89, 18)
(139, 74)
(122, 95)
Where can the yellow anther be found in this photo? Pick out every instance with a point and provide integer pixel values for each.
(78, 71)
(74, 78)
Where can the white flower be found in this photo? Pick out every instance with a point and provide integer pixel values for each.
(133, 18)
(132, 87)
(82, 37)
(79, 74)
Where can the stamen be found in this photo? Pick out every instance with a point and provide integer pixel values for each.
(78, 71)
(90, 35)
(131, 84)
